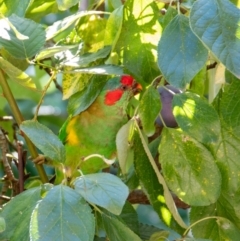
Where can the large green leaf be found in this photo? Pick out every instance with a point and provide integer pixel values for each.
(44, 139)
(152, 187)
(138, 39)
(216, 23)
(114, 27)
(104, 190)
(196, 117)
(14, 7)
(62, 215)
(16, 74)
(180, 53)
(80, 101)
(17, 214)
(189, 168)
(27, 47)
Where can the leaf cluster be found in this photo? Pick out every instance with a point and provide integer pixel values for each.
(191, 45)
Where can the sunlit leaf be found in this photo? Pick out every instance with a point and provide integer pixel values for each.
(191, 111)
(16, 74)
(49, 52)
(14, 7)
(189, 168)
(21, 48)
(66, 4)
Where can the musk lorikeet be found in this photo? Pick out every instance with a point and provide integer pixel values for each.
(94, 130)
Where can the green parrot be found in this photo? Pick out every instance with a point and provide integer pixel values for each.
(94, 130)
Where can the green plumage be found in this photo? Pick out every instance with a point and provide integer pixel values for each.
(93, 131)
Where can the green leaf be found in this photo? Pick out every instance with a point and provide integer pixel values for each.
(67, 24)
(74, 82)
(101, 70)
(228, 153)
(44, 139)
(21, 48)
(19, 8)
(130, 217)
(123, 147)
(198, 83)
(146, 231)
(80, 101)
(66, 4)
(159, 236)
(153, 188)
(149, 108)
(41, 8)
(138, 39)
(116, 3)
(62, 214)
(2, 224)
(167, 17)
(88, 58)
(104, 190)
(216, 23)
(180, 53)
(114, 27)
(116, 230)
(189, 168)
(214, 228)
(16, 74)
(230, 108)
(196, 117)
(17, 63)
(17, 214)
(49, 52)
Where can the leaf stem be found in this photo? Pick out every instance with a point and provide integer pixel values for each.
(43, 94)
(19, 119)
(203, 219)
(168, 196)
(107, 161)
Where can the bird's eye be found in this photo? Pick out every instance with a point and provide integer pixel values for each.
(124, 87)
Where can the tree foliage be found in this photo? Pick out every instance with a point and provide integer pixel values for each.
(193, 45)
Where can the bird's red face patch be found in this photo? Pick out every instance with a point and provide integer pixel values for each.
(113, 96)
(127, 80)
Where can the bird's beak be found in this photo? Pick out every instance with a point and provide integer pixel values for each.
(137, 88)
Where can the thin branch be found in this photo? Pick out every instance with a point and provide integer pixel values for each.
(43, 94)
(19, 119)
